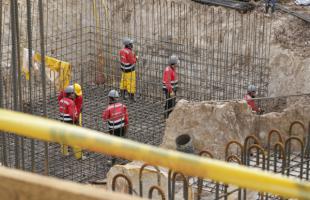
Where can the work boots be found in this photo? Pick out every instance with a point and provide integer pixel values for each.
(132, 97)
(123, 94)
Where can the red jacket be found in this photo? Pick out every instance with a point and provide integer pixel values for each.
(78, 101)
(251, 102)
(128, 60)
(170, 79)
(116, 114)
(67, 110)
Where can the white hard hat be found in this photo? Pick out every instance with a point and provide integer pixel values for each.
(251, 88)
(69, 89)
(113, 94)
(127, 41)
(173, 60)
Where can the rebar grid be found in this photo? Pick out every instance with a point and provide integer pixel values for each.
(221, 52)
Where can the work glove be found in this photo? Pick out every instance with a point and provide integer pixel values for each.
(172, 94)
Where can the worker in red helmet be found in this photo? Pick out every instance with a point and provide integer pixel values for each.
(128, 61)
(170, 84)
(116, 116)
(249, 97)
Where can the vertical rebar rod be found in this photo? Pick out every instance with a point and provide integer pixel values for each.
(29, 35)
(4, 156)
(1, 82)
(14, 73)
(43, 78)
(20, 104)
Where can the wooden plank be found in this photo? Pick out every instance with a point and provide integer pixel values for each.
(15, 184)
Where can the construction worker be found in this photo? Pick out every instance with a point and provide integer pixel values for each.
(78, 99)
(78, 152)
(270, 4)
(170, 84)
(67, 110)
(67, 107)
(250, 101)
(69, 113)
(128, 61)
(116, 116)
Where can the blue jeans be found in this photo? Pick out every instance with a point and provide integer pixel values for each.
(270, 3)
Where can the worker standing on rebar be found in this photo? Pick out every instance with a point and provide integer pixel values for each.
(116, 116)
(78, 152)
(78, 100)
(70, 106)
(67, 110)
(128, 61)
(270, 4)
(250, 101)
(170, 84)
(67, 107)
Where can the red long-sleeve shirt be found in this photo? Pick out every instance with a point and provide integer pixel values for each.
(128, 59)
(117, 116)
(170, 79)
(251, 102)
(78, 101)
(67, 110)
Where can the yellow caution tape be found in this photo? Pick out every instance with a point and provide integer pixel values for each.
(54, 131)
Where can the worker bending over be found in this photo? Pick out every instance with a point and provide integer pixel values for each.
(250, 101)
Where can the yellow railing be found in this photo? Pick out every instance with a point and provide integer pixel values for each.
(53, 131)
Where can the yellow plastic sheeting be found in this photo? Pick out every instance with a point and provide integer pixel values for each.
(50, 130)
(25, 65)
(62, 68)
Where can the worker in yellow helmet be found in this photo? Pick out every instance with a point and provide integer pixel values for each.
(78, 100)
(78, 153)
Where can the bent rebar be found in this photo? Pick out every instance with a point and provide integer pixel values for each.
(200, 180)
(140, 176)
(279, 147)
(231, 143)
(159, 190)
(280, 139)
(185, 185)
(129, 183)
(288, 153)
(245, 146)
(258, 149)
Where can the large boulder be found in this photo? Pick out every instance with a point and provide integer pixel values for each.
(210, 124)
(213, 124)
(149, 179)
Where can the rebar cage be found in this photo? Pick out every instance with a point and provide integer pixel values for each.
(221, 51)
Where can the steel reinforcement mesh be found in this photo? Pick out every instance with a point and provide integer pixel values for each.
(220, 51)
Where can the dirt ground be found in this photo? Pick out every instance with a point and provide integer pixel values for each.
(289, 51)
(290, 32)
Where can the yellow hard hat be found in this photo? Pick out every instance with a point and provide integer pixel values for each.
(77, 89)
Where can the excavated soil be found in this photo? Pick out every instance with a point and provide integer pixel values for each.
(295, 36)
